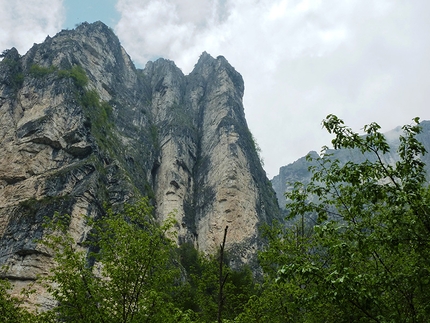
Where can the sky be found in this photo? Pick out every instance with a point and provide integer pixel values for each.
(363, 60)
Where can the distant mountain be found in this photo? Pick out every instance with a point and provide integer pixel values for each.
(298, 170)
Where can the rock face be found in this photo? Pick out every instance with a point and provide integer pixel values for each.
(298, 170)
(208, 169)
(81, 126)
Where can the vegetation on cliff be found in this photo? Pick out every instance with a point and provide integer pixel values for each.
(130, 270)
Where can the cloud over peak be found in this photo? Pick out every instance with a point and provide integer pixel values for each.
(26, 22)
(363, 60)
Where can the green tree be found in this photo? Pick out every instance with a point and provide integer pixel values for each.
(366, 258)
(11, 309)
(128, 275)
(200, 292)
(40, 71)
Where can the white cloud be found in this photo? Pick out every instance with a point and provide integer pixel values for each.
(364, 60)
(165, 28)
(26, 22)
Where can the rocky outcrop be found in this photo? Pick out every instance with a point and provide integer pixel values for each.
(81, 126)
(208, 172)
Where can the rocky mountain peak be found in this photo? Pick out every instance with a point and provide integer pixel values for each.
(81, 126)
(97, 27)
(11, 54)
(207, 65)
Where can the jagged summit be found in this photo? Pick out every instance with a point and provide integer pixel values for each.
(204, 59)
(11, 53)
(207, 64)
(81, 126)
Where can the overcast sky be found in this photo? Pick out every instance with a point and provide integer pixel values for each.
(363, 60)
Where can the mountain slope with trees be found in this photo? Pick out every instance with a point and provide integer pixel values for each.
(362, 257)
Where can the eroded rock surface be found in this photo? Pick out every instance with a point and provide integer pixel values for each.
(81, 126)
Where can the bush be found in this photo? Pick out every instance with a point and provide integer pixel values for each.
(40, 71)
(77, 73)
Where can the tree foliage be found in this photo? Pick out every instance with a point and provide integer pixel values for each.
(129, 270)
(366, 258)
(127, 276)
(11, 309)
(199, 294)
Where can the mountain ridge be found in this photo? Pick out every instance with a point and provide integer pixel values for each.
(81, 127)
(297, 171)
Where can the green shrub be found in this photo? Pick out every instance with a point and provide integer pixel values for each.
(40, 71)
(90, 99)
(17, 80)
(77, 73)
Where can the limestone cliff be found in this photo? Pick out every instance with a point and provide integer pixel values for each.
(81, 126)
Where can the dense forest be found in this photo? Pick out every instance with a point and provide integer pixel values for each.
(355, 248)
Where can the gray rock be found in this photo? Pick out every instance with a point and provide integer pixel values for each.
(72, 141)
